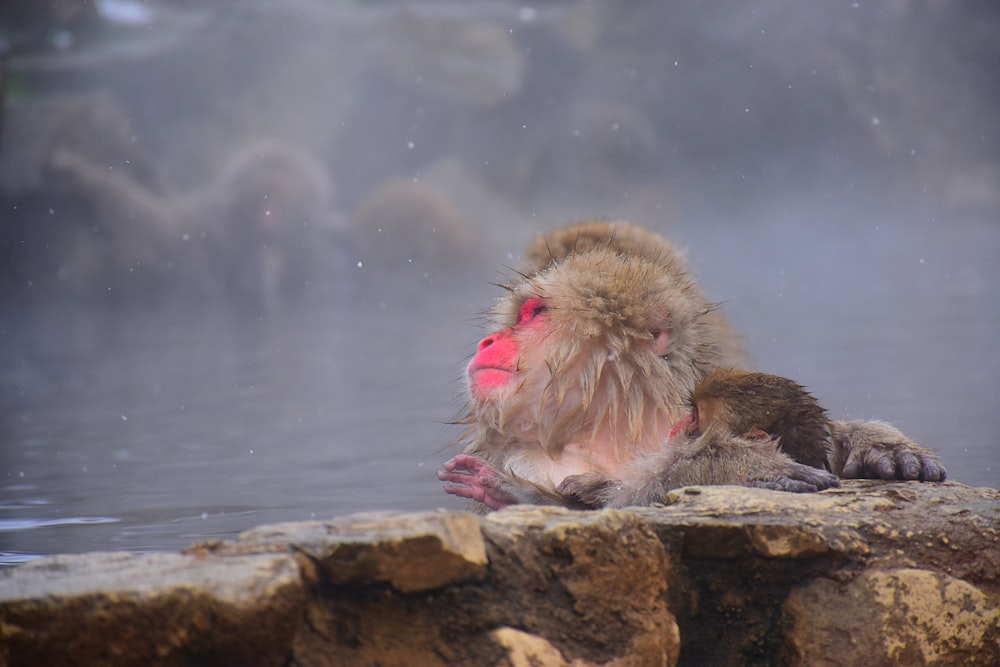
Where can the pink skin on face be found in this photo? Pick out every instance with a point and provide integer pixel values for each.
(495, 362)
(490, 371)
(683, 426)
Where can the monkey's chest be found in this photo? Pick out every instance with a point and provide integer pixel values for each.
(549, 469)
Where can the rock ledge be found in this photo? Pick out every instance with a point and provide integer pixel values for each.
(874, 573)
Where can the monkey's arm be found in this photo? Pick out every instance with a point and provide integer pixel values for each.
(468, 476)
(877, 450)
(707, 460)
(126, 207)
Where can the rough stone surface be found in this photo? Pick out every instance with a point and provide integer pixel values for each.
(874, 573)
(624, 616)
(149, 609)
(410, 552)
(545, 565)
(893, 617)
(741, 552)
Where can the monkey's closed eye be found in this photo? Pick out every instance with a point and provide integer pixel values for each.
(531, 309)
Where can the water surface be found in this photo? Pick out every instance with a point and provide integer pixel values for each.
(147, 429)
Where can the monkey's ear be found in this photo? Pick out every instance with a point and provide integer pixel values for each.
(661, 341)
(758, 434)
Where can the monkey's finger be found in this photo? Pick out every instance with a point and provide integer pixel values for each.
(485, 490)
(586, 488)
(574, 487)
(568, 486)
(817, 477)
(878, 464)
(874, 463)
(932, 470)
(885, 468)
(785, 484)
(451, 463)
(798, 486)
(825, 480)
(475, 492)
(467, 462)
(852, 468)
(460, 490)
(907, 465)
(457, 477)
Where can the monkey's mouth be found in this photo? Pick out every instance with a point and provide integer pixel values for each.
(484, 378)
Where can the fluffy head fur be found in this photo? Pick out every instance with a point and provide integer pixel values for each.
(610, 289)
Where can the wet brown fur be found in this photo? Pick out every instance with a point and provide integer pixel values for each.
(743, 401)
(607, 287)
(723, 446)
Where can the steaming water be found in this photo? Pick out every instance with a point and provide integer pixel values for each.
(746, 133)
(149, 430)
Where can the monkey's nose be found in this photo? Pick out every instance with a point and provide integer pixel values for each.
(486, 342)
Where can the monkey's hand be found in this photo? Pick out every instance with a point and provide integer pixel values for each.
(877, 450)
(469, 476)
(798, 478)
(592, 489)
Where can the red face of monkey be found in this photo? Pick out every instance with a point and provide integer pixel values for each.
(577, 354)
(495, 365)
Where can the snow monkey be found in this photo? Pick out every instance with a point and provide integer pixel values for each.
(599, 346)
(745, 428)
(258, 231)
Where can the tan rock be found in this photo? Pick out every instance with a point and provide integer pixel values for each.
(608, 572)
(412, 552)
(874, 574)
(894, 617)
(145, 609)
(720, 522)
(524, 650)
